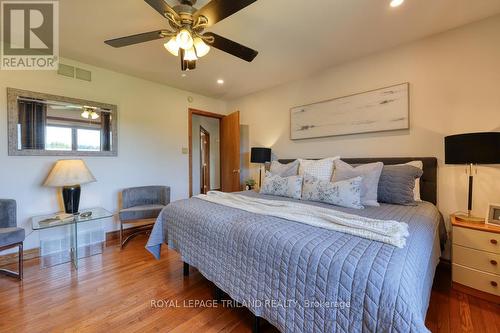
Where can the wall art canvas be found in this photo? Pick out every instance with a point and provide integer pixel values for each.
(384, 109)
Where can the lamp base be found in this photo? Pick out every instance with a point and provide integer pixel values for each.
(71, 198)
(470, 219)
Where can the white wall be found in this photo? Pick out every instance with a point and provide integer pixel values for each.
(212, 126)
(153, 129)
(454, 85)
(454, 78)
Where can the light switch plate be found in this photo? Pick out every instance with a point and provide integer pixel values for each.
(185, 150)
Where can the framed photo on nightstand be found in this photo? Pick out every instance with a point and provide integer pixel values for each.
(493, 214)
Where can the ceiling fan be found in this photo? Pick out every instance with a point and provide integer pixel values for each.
(186, 32)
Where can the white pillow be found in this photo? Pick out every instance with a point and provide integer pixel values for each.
(319, 169)
(416, 189)
(284, 170)
(290, 187)
(369, 172)
(345, 193)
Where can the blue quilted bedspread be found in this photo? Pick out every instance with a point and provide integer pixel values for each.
(306, 279)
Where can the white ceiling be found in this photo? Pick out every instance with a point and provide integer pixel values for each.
(295, 38)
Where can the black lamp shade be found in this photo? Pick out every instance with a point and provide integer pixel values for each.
(472, 148)
(260, 155)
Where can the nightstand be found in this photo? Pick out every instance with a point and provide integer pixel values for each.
(476, 259)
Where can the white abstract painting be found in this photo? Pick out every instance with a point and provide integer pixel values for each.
(379, 110)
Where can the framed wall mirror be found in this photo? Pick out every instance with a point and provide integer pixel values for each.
(49, 125)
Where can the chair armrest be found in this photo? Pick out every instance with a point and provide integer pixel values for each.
(8, 213)
(166, 195)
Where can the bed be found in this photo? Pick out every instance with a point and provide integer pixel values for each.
(302, 278)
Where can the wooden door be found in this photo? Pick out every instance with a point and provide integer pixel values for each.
(230, 152)
(204, 161)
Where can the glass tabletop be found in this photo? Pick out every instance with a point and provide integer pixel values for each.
(60, 219)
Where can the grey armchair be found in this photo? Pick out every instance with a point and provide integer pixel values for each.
(140, 204)
(10, 235)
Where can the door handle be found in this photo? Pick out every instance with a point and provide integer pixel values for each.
(236, 171)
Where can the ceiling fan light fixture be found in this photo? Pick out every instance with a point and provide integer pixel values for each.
(172, 46)
(191, 64)
(190, 54)
(184, 39)
(201, 47)
(85, 114)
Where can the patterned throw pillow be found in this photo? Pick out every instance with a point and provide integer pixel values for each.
(284, 170)
(319, 169)
(345, 193)
(282, 186)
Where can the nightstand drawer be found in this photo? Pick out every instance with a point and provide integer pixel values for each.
(479, 240)
(480, 260)
(486, 282)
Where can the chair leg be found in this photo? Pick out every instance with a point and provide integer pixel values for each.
(139, 231)
(21, 261)
(19, 274)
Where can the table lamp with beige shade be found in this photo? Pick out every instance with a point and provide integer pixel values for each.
(70, 174)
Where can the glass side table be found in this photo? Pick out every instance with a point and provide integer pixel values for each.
(67, 238)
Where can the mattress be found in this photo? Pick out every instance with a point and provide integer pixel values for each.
(302, 278)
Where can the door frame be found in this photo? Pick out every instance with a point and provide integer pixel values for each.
(192, 112)
(202, 152)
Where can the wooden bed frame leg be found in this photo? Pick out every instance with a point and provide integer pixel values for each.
(256, 325)
(186, 269)
(218, 294)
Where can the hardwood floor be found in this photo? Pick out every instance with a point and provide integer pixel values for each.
(453, 311)
(113, 293)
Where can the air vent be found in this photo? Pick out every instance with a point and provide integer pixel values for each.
(82, 74)
(74, 72)
(66, 70)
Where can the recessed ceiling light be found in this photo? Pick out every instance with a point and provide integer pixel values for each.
(220, 81)
(396, 3)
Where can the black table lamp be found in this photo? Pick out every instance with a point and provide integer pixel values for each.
(472, 149)
(70, 174)
(260, 155)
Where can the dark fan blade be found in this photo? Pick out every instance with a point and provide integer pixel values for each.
(161, 7)
(135, 39)
(217, 10)
(233, 48)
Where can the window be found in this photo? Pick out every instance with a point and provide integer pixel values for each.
(88, 140)
(58, 138)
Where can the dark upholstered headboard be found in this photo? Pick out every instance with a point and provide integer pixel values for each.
(428, 181)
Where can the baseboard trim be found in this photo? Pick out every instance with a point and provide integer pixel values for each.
(115, 235)
(12, 258)
(111, 237)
